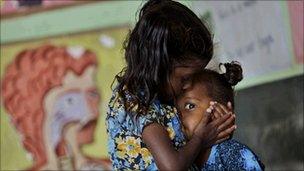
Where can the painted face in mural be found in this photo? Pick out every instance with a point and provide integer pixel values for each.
(54, 87)
(75, 102)
(72, 114)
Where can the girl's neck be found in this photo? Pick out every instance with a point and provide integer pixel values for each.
(202, 158)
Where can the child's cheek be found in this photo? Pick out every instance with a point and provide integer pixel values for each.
(190, 122)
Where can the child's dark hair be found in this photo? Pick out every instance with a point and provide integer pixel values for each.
(220, 86)
(166, 33)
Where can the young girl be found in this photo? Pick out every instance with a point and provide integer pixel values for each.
(205, 86)
(168, 43)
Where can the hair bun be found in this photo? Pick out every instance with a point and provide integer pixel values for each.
(233, 72)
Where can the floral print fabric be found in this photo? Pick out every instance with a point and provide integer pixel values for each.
(125, 144)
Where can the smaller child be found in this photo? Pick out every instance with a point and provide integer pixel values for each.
(206, 86)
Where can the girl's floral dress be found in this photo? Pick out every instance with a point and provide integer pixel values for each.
(125, 143)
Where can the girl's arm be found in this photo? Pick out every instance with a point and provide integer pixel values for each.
(206, 134)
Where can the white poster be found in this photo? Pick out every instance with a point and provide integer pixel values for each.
(251, 32)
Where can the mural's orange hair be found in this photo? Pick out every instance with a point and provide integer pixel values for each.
(26, 81)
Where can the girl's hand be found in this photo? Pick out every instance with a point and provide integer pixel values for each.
(221, 109)
(217, 130)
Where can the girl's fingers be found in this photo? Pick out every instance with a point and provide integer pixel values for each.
(219, 109)
(226, 132)
(216, 114)
(221, 140)
(217, 122)
(213, 117)
(225, 109)
(227, 124)
(211, 107)
(208, 115)
(229, 104)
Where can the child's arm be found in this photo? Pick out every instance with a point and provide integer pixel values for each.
(168, 158)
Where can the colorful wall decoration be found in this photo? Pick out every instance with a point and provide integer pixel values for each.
(9, 7)
(54, 100)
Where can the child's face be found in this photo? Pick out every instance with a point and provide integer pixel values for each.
(192, 106)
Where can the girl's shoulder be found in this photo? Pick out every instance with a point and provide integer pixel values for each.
(239, 156)
(163, 114)
(123, 109)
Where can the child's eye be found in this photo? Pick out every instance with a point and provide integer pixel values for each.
(189, 106)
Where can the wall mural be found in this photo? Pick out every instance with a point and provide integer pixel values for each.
(54, 100)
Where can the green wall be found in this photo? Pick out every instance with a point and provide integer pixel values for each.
(69, 20)
(97, 15)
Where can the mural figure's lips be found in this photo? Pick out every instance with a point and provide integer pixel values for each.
(86, 133)
(89, 125)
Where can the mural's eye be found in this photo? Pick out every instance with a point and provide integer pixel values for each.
(189, 106)
(70, 101)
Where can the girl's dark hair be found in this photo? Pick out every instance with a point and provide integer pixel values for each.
(166, 33)
(220, 86)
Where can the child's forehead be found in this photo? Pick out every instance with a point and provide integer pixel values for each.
(196, 90)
